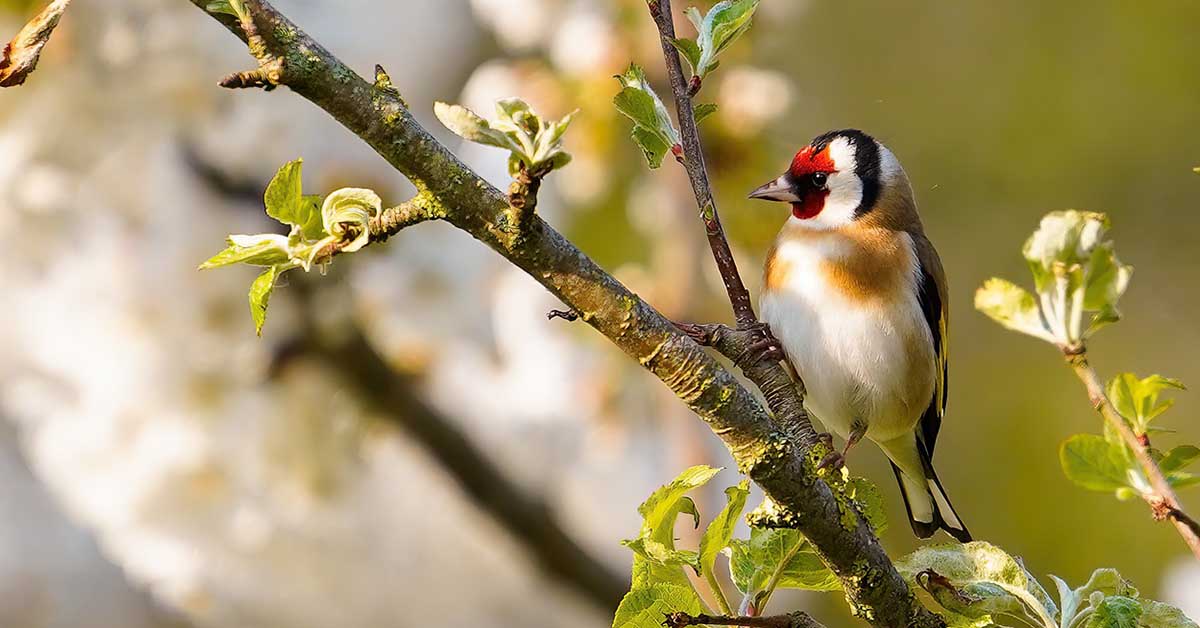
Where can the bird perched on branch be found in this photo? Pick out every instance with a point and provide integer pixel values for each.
(856, 295)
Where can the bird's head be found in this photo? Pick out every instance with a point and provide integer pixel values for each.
(835, 180)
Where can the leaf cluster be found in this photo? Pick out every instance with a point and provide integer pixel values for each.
(715, 32)
(534, 143)
(339, 222)
(769, 559)
(1075, 271)
(1105, 462)
(978, 584)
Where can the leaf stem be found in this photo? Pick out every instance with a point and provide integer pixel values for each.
(769, 589)
(718, 593)
(1162, 500)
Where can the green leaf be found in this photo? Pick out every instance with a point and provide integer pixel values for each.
(704, 110)
(690, 51)
(1063, 237)
(653, 131)
(1182, 479)
(1103, 582)
(781, 554)
(347, 213)
(1179, 458)
(1107, 279)
(533, 143)
(265, 249)
(985, 572)
(286, 202)
(720, 27)
(719, 532)
(656, 559)
(1013, 307)
(1137, 399)
(645, 607)
(1160, 615)
(866, 494)
(260, 296)
(469, 126)
(1115, 612)
(228, 7)
(1094, 463)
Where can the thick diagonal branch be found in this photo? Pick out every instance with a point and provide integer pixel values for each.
(771, 458)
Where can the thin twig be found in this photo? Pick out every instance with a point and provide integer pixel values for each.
(798, 619)
(1163, 499)
(782, 393)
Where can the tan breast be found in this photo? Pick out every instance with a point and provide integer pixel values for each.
(864, 263)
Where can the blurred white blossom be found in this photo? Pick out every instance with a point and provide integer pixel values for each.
(751, 98)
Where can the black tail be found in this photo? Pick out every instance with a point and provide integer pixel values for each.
(944, 515)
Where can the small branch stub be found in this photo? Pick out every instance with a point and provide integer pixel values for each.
(567, 315)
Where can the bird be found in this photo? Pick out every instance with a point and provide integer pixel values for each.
(856, 296)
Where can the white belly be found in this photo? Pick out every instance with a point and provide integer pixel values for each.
(861, 362)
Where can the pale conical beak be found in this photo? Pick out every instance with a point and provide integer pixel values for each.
(777, 190)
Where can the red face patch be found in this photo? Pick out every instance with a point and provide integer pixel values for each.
(804, 164)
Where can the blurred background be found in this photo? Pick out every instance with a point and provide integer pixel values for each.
(412, 442)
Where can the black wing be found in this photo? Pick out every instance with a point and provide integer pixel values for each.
(933, 305)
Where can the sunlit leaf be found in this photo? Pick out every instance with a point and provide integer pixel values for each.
(1105, 582)
(1160, 615)
(1011, 306)
(717, 30)
(866, 494)
(690, 51)
(1179, 458)
(258, 250)
(704, 110)
(468, 125)
(781, 554)
(260, 296)
(656, 559)
(286, 202)
(1094, 463)
(645, 607)
(347, 212)
(653, 130)
(720, 530)
(989, 574)
(1137, 399)
(1115, 612)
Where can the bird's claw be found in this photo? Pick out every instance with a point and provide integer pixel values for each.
(835, 459)
(765, 348)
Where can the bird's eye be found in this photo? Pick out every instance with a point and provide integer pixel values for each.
(819, 179)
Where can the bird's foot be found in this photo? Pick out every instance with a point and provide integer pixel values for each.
(835, 459)
(702, 334)
(764, 347)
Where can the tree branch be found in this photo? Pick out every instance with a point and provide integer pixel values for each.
(778, 387)
(798, 619)
(767, 455)
(1163, 502)
(393, 396)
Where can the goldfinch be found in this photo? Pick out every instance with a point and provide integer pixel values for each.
(856, 295)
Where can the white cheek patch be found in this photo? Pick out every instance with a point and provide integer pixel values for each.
(845, 189)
